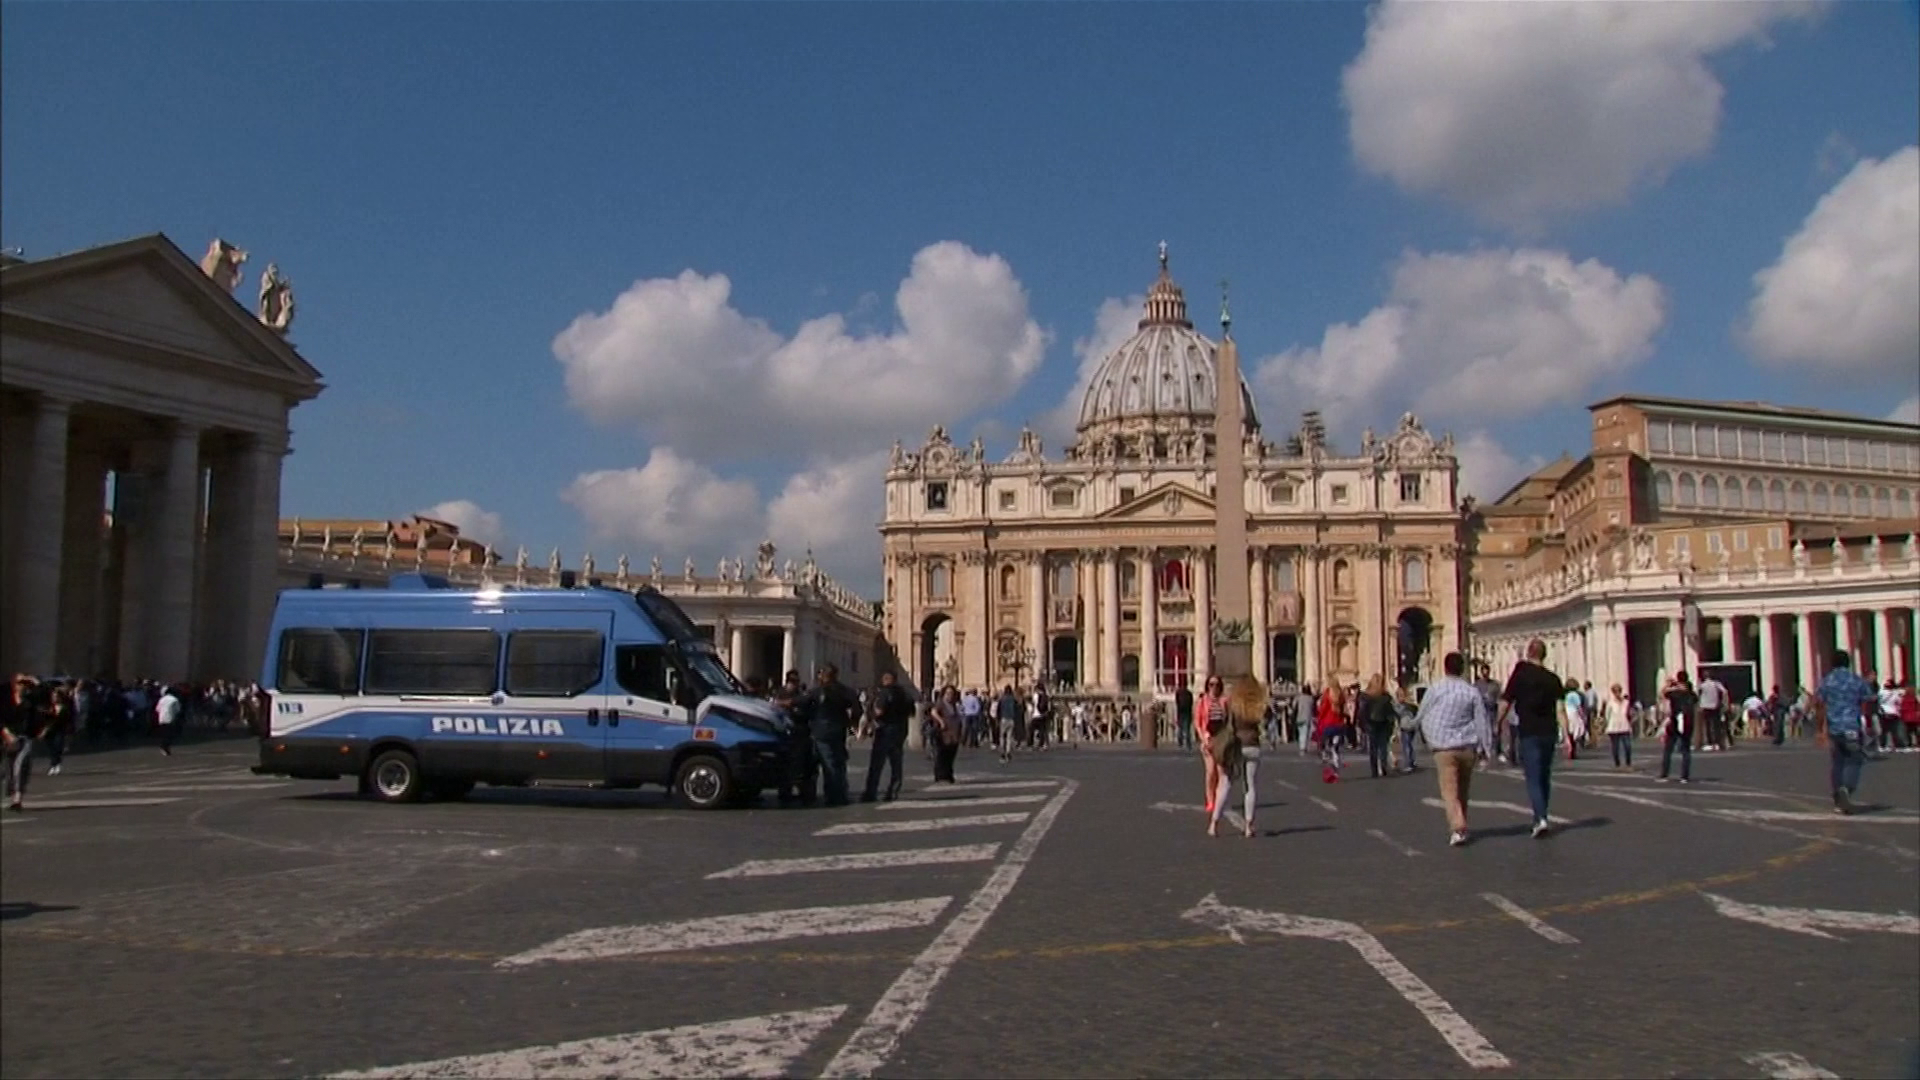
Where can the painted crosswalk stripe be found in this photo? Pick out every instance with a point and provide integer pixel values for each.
(95, 804)
(1529, 920)
(1392, 843)
(985, 800)
(1807, 815)
(723, 930)
(866, 860)
(1323, 804)
(1512, 807)
(867, 828)
(243, 786)
(1779, 1065)
(752, 1046)
(998, 785)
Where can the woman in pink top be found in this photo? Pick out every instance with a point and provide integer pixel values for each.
(1208, 714)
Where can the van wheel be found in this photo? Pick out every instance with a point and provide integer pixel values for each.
(394, 777)
(702, 783)
(450, 790)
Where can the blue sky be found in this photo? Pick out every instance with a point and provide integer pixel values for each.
(1495, 215)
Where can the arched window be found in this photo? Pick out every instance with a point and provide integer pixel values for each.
(1883, 502)
(1065, 583)
(1413, 575)
(1282, 576)
(1777, 495)
(1688, 492)
(1733, 498)
(1820, 503)
(1756, 494)
(1662, 489)
(1342, 577)
(1862, 501)
(1903, 504)
(939, 582)
(1009, 582)
(1173, 576)
(1710, 493)
(1797, 497)
(1129, 579)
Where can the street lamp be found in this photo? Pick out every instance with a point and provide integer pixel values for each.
(1016, 658)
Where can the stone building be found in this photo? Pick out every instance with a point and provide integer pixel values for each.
(765, 618)
(144, 417)
(1704, 531)
(1094, 570)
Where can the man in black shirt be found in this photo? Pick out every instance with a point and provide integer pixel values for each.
(1681, 703)
(797, 781)
(892, 710)
(831, 710)
(1183, 715)
(1532, 701)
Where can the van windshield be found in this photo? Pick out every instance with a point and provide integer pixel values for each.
(667, 616)
(707, 669)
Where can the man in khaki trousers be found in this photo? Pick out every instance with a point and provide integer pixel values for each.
(1453, 719)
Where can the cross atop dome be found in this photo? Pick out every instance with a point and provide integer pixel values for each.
(1166, 304)
(1163, 256)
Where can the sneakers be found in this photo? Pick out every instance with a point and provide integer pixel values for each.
(54, 771)
(1685, 780)
(1540, 829)
(1664, 779)
(1842, 801)
(1458, 839)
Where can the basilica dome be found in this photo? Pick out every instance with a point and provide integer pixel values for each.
(1162, 379)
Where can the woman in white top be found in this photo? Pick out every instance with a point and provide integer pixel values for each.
(1619, 728)
(1575, 706)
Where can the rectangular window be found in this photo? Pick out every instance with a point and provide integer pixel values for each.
(1776, 449)
(459, 662)
(1740, 540)
(937, 495)
(1283, 576)
(1683, 438)
(1816, 449)
(1063, 498)
(641, 671)
(1880, 455)
(1750, 445)
(1339, 494)
(1682, 545)
(554, 663)
(1796, 449)
(1006, 499)
(1776, 538)
(1126, 494)
(1409, 487)
(1658, 431)
(1281, 492)
(1856, 453)
(322, 660)
(1714, 544)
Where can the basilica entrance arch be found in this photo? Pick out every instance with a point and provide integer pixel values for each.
(939, 660)
(1413, 636)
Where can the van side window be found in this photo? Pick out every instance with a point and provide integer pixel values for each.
(642, 671)
(554, 663)
(461, 662)
(322, 660)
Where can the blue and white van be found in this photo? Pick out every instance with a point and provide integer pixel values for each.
(422, 689)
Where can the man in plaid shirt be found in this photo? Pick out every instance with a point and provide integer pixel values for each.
(1453, 719)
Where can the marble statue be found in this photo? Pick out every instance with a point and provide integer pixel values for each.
(386, 551)
(1839, 553)
(222, 264)
(620, 568)
(1912, 548)
(786, 570)
(296, 534)
(899, 455)
(763, 562)
(359, 541)
(978, 450)
(586, 566)
(520, 560)
(1619, 562)
(1873, 551)
(653, 571)
(276, 300)
(1800, 554)
(687, 571)
(553, 563)
(326, 540)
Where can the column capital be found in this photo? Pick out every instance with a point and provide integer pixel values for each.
(47, 401)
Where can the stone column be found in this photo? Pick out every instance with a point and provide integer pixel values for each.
(737, 652)
(1618, 648)
(1087, 585)
(1037, 614)
(1110, 620)
(1149, 625)
(1809, 655)
(1882, 644)
(170, 596)
(82, 562)
(1843, 637)
(34, 592)
(262, 459)
(1257, 603)
(1763, 656)
(1676, 648)
(786, 650)
(1309, 581)
(1202, 578)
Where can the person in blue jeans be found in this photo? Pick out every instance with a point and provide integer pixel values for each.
(1840, 720)
(832, 710)
(1531, 705)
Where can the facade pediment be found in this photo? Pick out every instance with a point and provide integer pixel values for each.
(1168, 502)
(146, 292)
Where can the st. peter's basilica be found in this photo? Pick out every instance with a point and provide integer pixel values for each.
(1093, 571)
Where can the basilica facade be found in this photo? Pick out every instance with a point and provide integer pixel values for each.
(1094, 571)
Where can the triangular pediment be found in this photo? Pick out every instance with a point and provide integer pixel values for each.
(147, 292)
(1168, 502)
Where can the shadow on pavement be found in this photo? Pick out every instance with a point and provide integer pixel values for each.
(1524, 830)
(1293, 829)
(21, 909)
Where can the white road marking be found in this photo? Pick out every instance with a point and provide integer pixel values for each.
(1529, 920)
(1890, 850)
(1780, 1065)
(254, 786)
(752, 1046)
(1324, 804)
(1814, 921)
(1288, 784)
(1808, 815)
(1179, 807)
(723, 930)
(904, 1002)
(989, 800)
(867, 828)
(1515, 807)
(93, 804)
(1465, 1039)
(967, 785)
(1392, 843)
(871, 860)
(14, 820)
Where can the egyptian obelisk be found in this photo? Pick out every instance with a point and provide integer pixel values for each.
(1232, 608)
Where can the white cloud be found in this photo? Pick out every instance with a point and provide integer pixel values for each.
(1114, 322)
(1844, 295)
(677, 506)
(673, 356)
(835, 508)
(1907, 412)
(1487, 469)
(1521, 110)
(474, 522)
(1493, 332)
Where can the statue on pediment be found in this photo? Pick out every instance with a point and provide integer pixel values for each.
(653, 571)
(520, 562)
(1839, 553)
(222, 263)
(1912, 548)
(620, 569)
(898, 456)
(686, 571)
(326, 540)
(553, 563)
(359, 541)
(763, 562)
(1873, 551)
(978, 451)
(1800, 559)
(276, 300)
(586, 566)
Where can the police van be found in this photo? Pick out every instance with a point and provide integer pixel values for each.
(423, 689)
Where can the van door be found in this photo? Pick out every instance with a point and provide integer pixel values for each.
(553, 697)
(649, 715)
